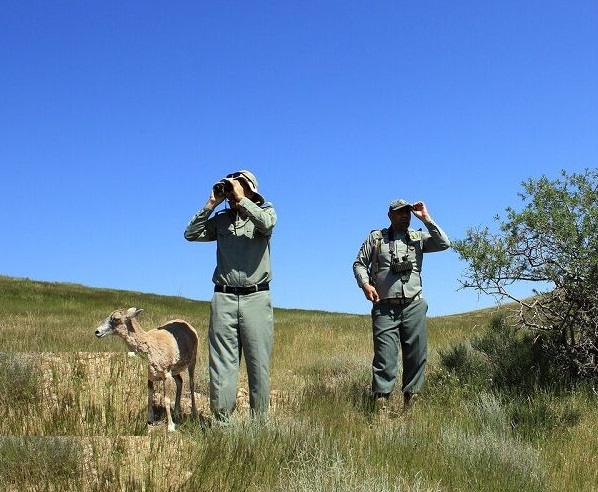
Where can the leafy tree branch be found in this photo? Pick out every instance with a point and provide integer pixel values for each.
(553, 242)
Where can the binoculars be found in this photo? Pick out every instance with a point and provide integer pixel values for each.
(401, 267)
(223, 186)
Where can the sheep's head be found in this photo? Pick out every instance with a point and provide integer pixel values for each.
(118, 321)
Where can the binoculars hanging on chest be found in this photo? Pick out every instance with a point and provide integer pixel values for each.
(400, 266)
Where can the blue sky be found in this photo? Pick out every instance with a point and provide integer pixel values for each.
(118, 116)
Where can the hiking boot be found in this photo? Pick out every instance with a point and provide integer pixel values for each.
(409, 399)
(381, 402)
(383, 406)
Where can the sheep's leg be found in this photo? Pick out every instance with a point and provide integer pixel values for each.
(150, 401)
(191, 370)
(178, 380)
(167, 389)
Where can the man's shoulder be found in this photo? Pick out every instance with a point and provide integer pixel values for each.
(379, 233)
(376, 235)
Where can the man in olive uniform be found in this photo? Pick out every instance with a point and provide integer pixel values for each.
(241, 319)
(388, 270)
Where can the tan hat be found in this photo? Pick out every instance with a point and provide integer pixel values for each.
(397, 204)
(251, 181)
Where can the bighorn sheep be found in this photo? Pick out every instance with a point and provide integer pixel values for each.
(170, 349)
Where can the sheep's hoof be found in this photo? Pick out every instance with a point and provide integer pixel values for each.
(171, 427)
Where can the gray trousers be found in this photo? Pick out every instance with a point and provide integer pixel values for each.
(397, 326)
(240, 325)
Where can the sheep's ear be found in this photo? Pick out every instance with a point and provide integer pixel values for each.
(133, 312)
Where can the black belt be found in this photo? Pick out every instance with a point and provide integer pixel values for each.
(241, 291)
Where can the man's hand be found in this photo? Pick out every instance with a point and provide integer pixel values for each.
(421, 212)
(234, 196)
(214, 200)
(371, 293)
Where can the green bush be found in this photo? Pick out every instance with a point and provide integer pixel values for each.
(469, 366)
(505, 358)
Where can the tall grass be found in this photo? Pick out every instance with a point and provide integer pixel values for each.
(74, 410)
(78, 394)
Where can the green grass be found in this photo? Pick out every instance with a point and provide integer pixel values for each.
(74, 410)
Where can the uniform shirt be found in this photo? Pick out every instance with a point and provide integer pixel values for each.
(413, 244)
(243, 242)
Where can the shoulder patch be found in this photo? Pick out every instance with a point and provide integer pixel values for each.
(415, 235)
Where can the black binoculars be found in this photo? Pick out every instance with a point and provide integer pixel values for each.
(223, 186)
(401, 267)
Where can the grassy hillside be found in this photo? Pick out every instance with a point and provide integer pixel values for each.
(76, 407)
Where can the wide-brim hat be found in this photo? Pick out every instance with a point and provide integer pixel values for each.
(251, 181)
(398, 204)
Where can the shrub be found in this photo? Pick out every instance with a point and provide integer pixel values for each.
(468, 365)
(506, 358)
(551, 243)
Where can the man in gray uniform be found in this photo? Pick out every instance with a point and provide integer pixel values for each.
(388, 270)
(241, 317)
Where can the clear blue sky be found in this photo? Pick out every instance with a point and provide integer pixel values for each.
(118, 116)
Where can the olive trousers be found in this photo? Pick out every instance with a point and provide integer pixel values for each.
(403, 326)
(240, 325)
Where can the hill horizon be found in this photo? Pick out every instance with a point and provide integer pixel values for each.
(4, 277)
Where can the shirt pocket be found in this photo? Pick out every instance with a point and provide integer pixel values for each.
(226, 236)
